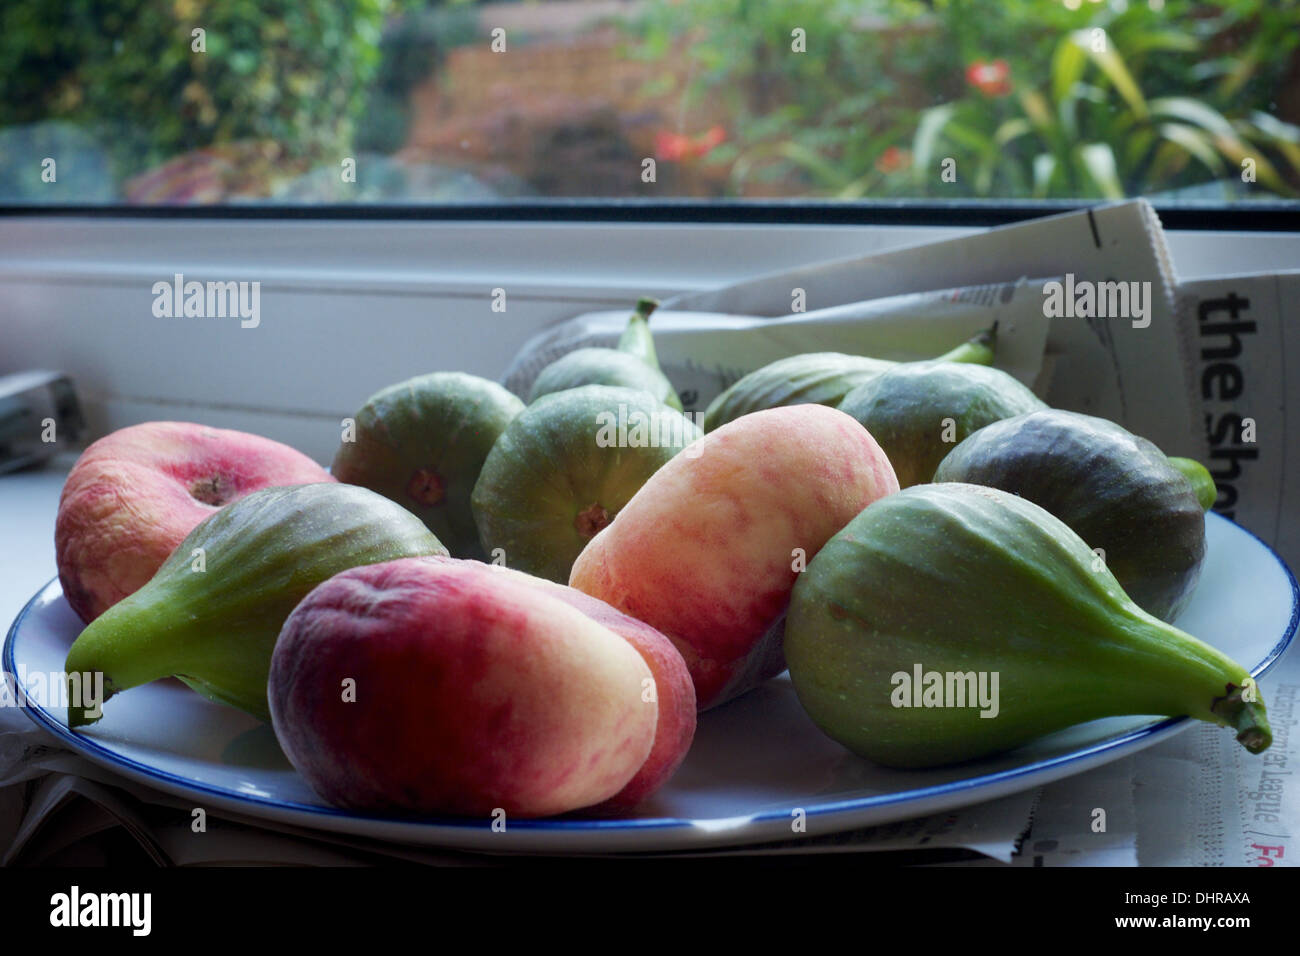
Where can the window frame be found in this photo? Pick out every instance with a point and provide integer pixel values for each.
(1262, 216)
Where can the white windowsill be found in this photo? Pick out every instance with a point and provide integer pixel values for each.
(350, 306)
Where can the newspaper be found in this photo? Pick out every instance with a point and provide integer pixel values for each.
(62, 802)
(919, 301)
(704, 352)
(1240, 387)
(1089, 819)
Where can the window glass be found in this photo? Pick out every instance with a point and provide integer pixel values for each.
(166, 102)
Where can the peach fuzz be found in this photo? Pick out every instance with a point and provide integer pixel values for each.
(135, 494)
(472, 693)
(707, 550)
(674, 689)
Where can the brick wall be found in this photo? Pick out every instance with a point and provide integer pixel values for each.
(571, 115)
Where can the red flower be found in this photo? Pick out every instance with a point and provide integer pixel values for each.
(670, 146)
(677, 147)
(990, 78)
(893, 159)
(714, 136)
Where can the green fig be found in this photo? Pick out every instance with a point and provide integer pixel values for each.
(212, 613)
(634, 364)
(1117, 491)
(422, 443)
(822, 378)
(564, 469)
(1007, 607)
(919, 410)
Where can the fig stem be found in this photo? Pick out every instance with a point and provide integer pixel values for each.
(79, 715)
(1247, 717)
(1201, 479)
(979, 349)
(636, 338)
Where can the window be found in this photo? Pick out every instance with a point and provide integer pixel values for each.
(326, 102)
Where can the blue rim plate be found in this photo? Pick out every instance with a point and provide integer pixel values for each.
(755, 763)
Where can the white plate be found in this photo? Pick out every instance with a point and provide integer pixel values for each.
(754, 761)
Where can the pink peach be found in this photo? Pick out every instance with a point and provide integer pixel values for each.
(708, 550)
(674, 689)
(135, 494)
(431, 687)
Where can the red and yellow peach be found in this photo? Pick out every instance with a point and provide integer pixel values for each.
(708, 549)
(135, 494)
(438, 687)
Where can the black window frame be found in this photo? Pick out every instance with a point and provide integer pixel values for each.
(1263, 216)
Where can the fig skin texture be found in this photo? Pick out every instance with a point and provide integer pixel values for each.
(919, 410)
(211, 614)
(1004, 603)
(1117, 491)
(422, 443)
(822, 378)
(564, 469)
(595, 366)
(634, 364)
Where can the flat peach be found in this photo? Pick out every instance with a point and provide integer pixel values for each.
(708, 550)
(425, 686)
(135, 494)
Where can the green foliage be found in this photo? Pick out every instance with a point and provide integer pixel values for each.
(290, 71)
(1179, 96)
(1108, 110)
(821, 117)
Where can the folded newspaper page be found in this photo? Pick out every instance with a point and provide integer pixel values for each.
(1240, 386)
(704, 352)
(1089, 819)
(1100, 291)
